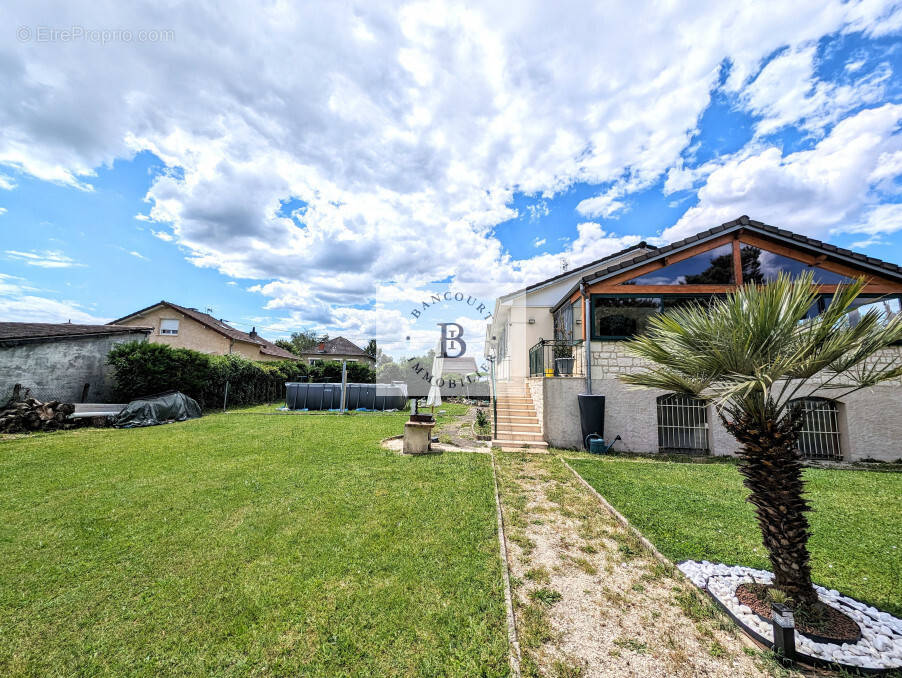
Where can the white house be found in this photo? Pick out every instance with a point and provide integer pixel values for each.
(538, 338)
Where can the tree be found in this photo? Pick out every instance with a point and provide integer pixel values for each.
(371, 349)
(302, 341)
(753, 354)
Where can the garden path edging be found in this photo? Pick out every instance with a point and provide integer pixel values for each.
(878, 652)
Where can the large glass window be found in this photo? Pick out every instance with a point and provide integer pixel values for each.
(888, 307)
(615, 317)
(623, 316)
(714, 267)
(760, 266)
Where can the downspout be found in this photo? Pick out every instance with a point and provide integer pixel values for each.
(587, 335)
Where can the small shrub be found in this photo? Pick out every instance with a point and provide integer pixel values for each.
(481, 420)
(546, 596)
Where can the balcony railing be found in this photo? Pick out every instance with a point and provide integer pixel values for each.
(557, 358)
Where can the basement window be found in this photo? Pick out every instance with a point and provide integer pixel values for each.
(820, 436)
(169, 326)
(682, 424)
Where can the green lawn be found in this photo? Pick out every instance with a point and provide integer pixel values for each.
(699, 512)
(242, 545)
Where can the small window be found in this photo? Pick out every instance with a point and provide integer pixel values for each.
(819, 437)
(169, 326)
(682, 424)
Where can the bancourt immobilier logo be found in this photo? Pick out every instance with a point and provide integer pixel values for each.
(457, 367)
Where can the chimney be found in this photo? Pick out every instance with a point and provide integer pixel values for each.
(321, 347)
(254, 331)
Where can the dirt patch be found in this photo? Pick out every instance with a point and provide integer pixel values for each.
(590, 601)
(832, 626)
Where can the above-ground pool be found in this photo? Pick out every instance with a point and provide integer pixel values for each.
(304, 396)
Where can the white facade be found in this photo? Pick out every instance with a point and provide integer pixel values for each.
(524, 317)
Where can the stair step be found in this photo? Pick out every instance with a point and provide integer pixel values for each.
(517, 426)
(518, 444)
(519, 435)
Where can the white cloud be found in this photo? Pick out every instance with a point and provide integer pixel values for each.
(21, 302)
(881, 219)
(43, 258)
(405, 131)
(787, 92)
(138, 255)
(2, 211)
(7, 183)
(828, 188)
(538, 242)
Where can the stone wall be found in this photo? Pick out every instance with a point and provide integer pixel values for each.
(59, 370)
(870, 420)
(537, 392)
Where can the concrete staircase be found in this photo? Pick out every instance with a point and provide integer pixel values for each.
(518, 425)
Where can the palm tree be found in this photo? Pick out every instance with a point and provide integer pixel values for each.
(752, 354)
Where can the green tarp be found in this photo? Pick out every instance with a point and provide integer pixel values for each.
(161, 409)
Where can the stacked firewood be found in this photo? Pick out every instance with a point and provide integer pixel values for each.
(31, 414)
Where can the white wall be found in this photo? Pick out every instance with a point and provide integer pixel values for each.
(871, 419)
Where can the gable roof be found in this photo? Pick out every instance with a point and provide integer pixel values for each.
(743, 223)
(337, 346)
(208, 321)
(560, 276)
(638, 246)
(24, 332)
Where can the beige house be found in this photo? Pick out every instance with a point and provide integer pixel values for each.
(183, 327)
(338, 348)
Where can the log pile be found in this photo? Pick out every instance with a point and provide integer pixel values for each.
(33, 415)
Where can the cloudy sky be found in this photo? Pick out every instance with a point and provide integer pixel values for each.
(328, 165)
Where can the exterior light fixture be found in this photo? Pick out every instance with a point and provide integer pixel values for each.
(784, 631)
(532, 321)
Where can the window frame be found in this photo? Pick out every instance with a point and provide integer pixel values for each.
(635, 295)
(169, 333)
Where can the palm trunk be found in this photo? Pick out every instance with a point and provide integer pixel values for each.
(772, 469)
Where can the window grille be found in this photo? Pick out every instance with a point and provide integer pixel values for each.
(819, 437)
(682, 424)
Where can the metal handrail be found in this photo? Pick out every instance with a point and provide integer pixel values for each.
(537, 353)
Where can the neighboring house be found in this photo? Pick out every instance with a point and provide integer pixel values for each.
(61, 361)
(623, 291)
(338, 348)
(182, 327)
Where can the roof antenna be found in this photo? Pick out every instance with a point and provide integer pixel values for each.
(209, 310)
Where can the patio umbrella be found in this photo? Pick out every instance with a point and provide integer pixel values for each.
(438, 364)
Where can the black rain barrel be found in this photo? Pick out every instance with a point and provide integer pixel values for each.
(591, 414)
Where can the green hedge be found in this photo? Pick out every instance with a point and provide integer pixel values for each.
(144, 368)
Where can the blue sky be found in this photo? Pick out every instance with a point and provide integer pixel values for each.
(329, 169)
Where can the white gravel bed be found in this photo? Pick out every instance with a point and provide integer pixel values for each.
(880, 646)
